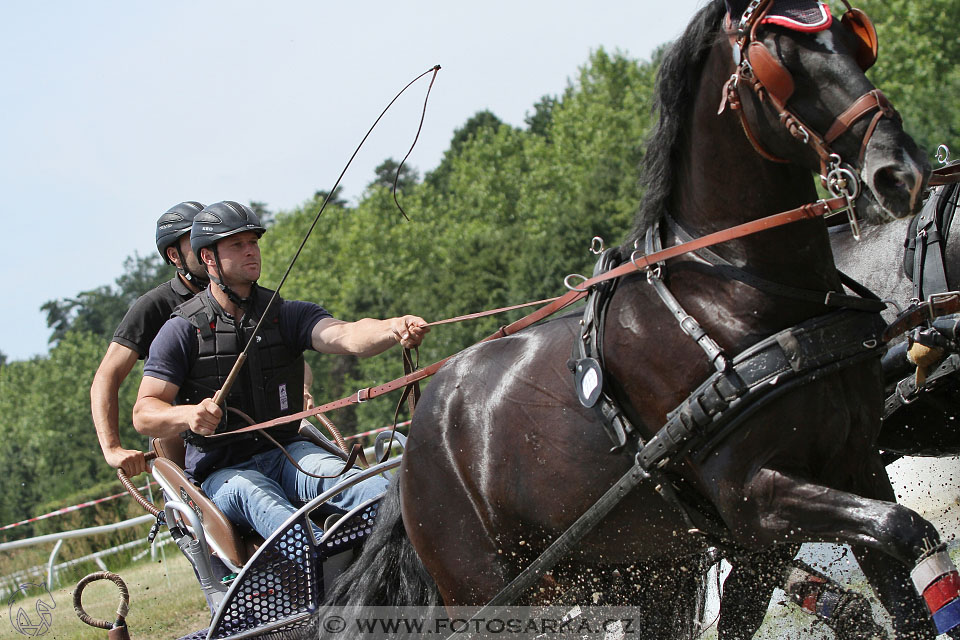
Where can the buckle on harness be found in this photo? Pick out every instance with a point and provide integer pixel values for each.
(904, 398)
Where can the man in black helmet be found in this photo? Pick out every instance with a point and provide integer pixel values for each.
(138, 328)
(249, 478)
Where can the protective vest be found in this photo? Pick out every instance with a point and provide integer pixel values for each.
(269, 385)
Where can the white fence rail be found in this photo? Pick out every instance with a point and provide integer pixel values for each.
(10, 582)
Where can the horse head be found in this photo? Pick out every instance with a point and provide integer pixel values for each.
(801, 86)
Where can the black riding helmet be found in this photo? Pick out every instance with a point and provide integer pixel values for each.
(218, 221)
(173, 225)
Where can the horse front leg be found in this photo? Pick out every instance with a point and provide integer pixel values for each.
(781, 508)
(893, 583)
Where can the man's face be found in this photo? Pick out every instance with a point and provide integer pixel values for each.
(240, 258)
(193, 263)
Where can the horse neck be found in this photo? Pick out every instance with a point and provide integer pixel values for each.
(723, 182)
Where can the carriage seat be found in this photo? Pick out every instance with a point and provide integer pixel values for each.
(223, 536)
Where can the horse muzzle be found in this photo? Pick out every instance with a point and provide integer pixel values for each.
(894, 172)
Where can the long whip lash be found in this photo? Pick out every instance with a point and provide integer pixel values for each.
(231, 378)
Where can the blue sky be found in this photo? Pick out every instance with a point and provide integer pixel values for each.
(114, 111)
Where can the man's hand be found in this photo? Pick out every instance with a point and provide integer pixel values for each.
(203, 418)
(130, 461)
(307, 400)
(409, 330)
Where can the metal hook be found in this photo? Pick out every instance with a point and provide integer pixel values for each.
(653, 272)
(943, 154)
(566, 282)
(596, 245)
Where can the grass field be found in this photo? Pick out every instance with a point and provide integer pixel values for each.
(165, 602)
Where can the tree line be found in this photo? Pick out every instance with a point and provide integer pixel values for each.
(508, 212)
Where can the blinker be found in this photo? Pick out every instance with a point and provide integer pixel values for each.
(860, 25)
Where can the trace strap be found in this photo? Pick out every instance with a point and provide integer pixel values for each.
(821, 208)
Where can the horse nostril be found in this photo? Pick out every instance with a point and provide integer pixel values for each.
(891, 179)
(897, 187)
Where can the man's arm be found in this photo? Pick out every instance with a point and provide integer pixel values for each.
(156, 415)
(105, 408)
(367, 337)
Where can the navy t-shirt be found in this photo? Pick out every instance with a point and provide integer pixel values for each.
(145, 317)
(175, 349)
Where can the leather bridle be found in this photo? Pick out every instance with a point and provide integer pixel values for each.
(761, 71)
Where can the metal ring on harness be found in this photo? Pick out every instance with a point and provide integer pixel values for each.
(841, 181)
(892, 303)
(566, 282)
(652, 272)
(122, 609)
(839, 178)
(943, 154)
(596, 245)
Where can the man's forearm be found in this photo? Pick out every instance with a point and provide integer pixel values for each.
(159, 419)
(106, 411)
(367, 336)
(370, 337)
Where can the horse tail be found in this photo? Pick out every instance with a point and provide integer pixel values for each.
(388, 571)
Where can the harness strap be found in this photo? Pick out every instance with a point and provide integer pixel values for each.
(870, 101)
(949, 174)
(794, 353)
(867, 300)
(687, 323)
(907, 390)
(590, 379)
(637, 262)
(936, 305)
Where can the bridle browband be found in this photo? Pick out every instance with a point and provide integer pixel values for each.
(765, 75)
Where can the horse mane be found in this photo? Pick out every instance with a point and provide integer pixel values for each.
(674, 93)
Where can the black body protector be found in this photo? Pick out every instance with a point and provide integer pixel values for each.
(269, 385)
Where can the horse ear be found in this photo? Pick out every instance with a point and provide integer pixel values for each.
(860, 25)
(770, 73)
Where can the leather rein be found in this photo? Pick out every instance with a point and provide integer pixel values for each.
(637, 262)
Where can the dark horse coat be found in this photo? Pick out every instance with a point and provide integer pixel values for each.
(502, 457)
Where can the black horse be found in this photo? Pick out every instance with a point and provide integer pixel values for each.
(901, 261)
(502, 457)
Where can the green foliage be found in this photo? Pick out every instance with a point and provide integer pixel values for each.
(47, 440)
(390, 173)
(917, 66)
(100, 310)
(439, 177)
(263, 214)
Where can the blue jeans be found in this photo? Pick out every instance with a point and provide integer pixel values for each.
(262, 492)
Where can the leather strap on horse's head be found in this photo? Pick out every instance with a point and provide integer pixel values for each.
(764, 74)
